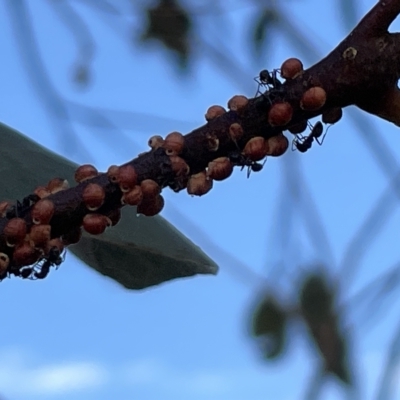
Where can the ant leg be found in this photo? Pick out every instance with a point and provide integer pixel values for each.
(295, 141)
(248, 171)
(323, 137)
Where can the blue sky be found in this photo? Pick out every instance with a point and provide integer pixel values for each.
(80, 335)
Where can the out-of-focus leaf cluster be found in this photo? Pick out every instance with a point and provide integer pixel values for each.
(317, 309)
(170, 24)
(269, 323)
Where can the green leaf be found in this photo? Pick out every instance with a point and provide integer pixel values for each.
(138, 252)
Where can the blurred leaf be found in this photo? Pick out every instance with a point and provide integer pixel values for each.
(104, 6)
(268, 325)
(316, 302)
(170, 24)
(137, 253)
(316, 298)
(263, 25)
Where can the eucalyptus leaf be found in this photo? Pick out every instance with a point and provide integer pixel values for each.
(138, 252)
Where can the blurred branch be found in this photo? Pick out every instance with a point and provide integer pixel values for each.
(373, 295)
(122, 119)
(369, 230)
(233, 265)
(313, 391)
(36, 71)
(103, 5)
(77, 27)
(83, 38)
(390, 373)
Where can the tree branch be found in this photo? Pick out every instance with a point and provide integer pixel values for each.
(363, 70)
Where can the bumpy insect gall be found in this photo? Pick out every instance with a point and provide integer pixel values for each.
(235, 131)
(277, 145)
(15, 231)
(42, 192)
(313, 99)
(291, 68)
(332, 115)
(214, 112)
(133, 197)
(24, 254)
(255, 148)
(85, 172)
(173, 143)
(113, 173)
(280, 114)
(179, 166)
(152, 207)
(219, 169)
(238, 103)
(298, 128)
(42, 212)
(155, 142)
(93, 196)
(199, 184)
(95, 224)
(57, 185)
(150, 189)
(40, 234)
(127, 177)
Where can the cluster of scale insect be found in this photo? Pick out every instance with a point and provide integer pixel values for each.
(41, 268)
(269, 82)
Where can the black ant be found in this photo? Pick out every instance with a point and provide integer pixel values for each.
(317, 131)
(22, 206)
(269, 79)
(270, 82)
(26, 272)
(304, 144)
(53, 258)
(44, 270)
(239, 159)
